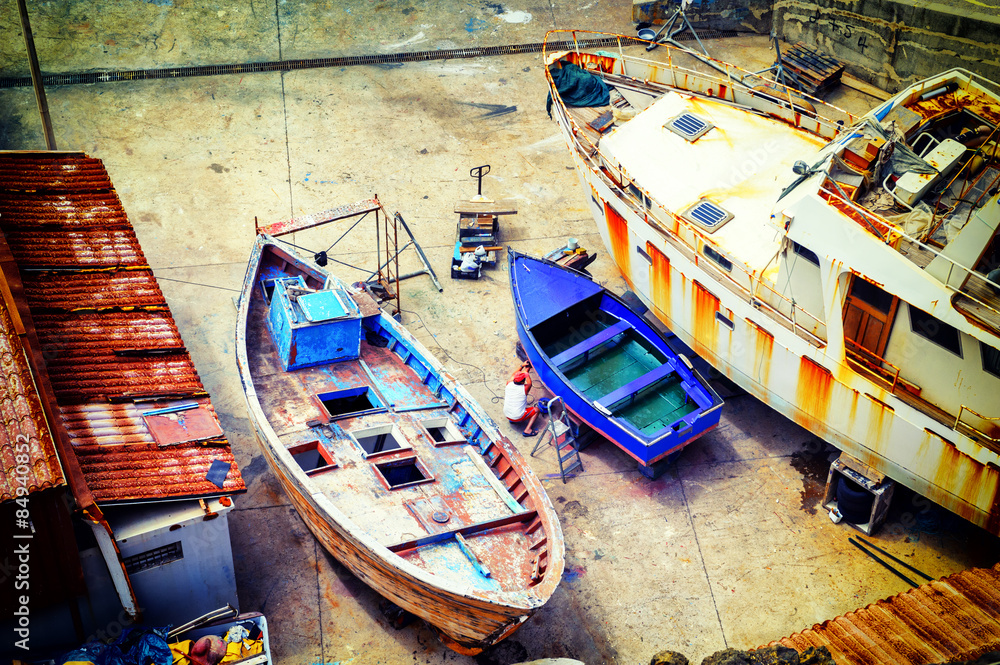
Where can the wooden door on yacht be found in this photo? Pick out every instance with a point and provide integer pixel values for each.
(868, 315)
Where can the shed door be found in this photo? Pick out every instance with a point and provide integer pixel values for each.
(868, 315)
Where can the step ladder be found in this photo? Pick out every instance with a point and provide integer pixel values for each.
(561, 434)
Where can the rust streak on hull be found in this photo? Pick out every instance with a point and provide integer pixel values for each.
(618, 229)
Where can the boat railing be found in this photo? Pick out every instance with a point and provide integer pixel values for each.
(885, 374)
(688, 71)
(755, 290)
(975, 432)
(880, 369)
(738, 87)
(957, 278)
(965, 173)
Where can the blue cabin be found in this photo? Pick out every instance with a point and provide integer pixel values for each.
(312, 327)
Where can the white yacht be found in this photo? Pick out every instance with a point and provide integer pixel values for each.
(842, 269)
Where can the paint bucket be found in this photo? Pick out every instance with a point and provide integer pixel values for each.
(647, 34)
(543, 406)
(572, 243)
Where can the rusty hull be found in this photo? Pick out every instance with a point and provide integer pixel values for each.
(766, 351)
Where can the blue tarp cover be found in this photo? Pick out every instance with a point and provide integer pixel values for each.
(577, 87)
(135, 646)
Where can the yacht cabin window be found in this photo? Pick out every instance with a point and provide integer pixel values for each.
(935, 330)
(991, 359)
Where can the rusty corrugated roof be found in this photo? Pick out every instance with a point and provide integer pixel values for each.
(88, 248)
(956, 618)
(109, 353)
(106, 333)
(121, 289)
(23, 430)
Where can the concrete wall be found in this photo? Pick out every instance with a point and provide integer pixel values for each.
(742, 15)
(894, 43)
(889, 43)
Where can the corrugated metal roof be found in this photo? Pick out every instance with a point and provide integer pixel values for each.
(111, 354)
(22, 422)
(955, 618)
(88, 248)
(105, 330)
(95, 290)
(33, 210)
(53, 170)
(120, 456)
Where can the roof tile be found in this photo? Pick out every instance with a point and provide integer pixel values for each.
(956, 618)
(107, 336)
(23, 429)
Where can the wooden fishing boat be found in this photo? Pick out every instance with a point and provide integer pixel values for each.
(611, 368)
(390, 462)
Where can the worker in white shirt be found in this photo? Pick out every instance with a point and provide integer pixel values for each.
(515, 400)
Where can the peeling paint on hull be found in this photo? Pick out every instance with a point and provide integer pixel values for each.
(474, 591)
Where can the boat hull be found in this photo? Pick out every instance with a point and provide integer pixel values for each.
(465, 624)
(826, 398)
(679, 406)
(413, 564)
(808, 382)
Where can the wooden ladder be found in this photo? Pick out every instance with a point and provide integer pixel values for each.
(561, 434)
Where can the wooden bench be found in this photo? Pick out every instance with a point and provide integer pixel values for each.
(634, 386)
(467, 530)
(589, 344)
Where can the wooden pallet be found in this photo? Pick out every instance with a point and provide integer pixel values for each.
(817, 72)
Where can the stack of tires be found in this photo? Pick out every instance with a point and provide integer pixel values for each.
(854, 501)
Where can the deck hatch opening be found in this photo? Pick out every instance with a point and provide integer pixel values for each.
(379, 440)
(350, 402)
(403, 473)
(267, 289)
(709, 216)
(442, 431)
(688, 126)
(312, 457)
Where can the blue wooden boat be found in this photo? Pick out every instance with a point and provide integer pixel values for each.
(390, 462)
(612, 369)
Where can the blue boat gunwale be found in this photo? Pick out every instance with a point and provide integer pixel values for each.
(692, 383)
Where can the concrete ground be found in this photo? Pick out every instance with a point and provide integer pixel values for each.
(729, 548)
